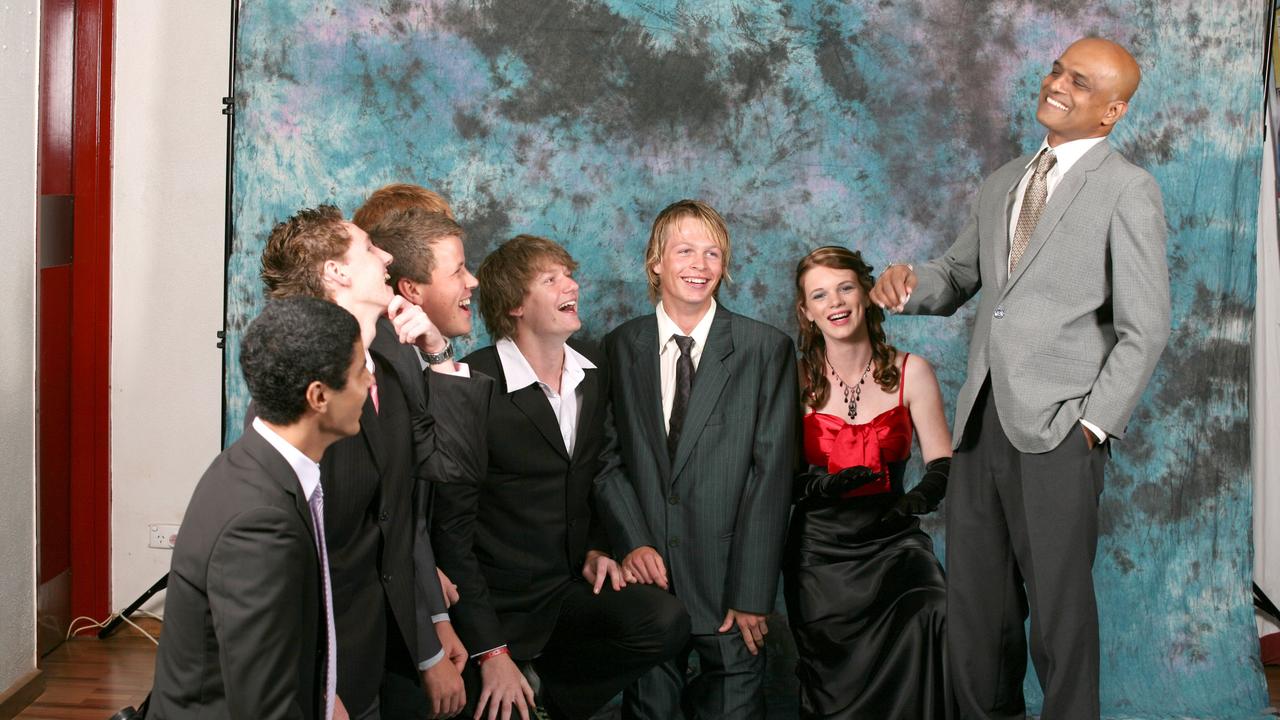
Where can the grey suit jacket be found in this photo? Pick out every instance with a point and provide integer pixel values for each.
(244, 615)
(1077, 329)
(717, 513)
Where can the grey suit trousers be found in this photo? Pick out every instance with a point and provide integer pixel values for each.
(1022, 530)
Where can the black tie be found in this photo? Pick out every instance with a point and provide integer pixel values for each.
(684, 384)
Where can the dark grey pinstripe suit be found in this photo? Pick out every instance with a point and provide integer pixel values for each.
(718, 511)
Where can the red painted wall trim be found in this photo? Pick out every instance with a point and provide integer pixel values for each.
(91, 310)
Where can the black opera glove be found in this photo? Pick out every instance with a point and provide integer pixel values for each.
(925, 497)
(817, 484)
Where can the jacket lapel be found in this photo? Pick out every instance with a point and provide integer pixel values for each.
(1000, 244)
(279, 470)
(531, 401)
(590, 388)
(1063, 195)
(708, 382)
(371, 432)
(648, 387)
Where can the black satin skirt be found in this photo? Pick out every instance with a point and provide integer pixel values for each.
(867, 605)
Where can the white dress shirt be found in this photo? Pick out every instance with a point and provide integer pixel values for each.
(308, 472)
(1067, 153)
(669, 353)
(519, 374)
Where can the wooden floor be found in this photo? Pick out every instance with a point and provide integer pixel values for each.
(90, 679)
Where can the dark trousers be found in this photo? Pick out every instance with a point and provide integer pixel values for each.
(1022, 529)
(600, 644)
(729, 683)
(401, 696)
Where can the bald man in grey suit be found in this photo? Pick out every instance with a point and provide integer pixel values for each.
(1068, 246)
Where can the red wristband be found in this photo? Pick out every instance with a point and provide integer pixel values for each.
(484, 657)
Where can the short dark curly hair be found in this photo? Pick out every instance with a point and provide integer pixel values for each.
(293, 343)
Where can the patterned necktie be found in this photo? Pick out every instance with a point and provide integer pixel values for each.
(316, 503)
(684, 385)
(1032, 206)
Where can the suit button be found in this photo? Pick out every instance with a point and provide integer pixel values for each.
(999, 313)
(384, 516)
(572, 523)
(673, 500)
(386, 578)
(674, 542)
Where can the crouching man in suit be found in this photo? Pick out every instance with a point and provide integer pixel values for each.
(248, 627)
(526, 546)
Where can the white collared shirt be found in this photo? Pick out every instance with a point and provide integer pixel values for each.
(519, 374)
(1068, 153)
(307, 470)
(669, 353)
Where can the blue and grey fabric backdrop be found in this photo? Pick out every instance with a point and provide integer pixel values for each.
(867, 124)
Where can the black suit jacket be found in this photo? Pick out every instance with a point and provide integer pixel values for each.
(376, 487)
(372, 490)
(718, 512)
(244, 614)
(514, 532)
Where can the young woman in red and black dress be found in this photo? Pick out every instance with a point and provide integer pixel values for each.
(865, 593)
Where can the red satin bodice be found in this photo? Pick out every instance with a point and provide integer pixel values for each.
(831, 441)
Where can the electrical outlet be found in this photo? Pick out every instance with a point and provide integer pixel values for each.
(162, 536)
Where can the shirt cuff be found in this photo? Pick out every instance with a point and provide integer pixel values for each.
(459, 369)
(430, 663)
(440, 617)
(1098, 432)
(482, 652)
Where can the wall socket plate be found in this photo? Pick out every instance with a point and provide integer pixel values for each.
(162, 536)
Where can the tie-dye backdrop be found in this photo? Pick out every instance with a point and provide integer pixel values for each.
(808, 123)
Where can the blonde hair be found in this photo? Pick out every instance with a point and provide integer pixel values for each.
(663, 224)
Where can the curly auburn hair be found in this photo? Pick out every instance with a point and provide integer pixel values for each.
(814, 386)
(396, 198)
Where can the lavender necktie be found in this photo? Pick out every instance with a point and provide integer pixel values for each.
(316, 503)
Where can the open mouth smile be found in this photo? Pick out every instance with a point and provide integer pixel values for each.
(1055, 104)
(570, 306)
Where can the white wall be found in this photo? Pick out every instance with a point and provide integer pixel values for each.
(166, 271)
(20, 60)
(1264, 393)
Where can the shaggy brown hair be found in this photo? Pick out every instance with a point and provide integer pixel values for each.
(408, 235)
(506, 274)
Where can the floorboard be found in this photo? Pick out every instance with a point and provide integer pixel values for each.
(90, 679)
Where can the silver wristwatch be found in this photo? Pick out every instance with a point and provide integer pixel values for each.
(442, 356)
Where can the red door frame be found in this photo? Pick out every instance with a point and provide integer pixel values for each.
(91, 310)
